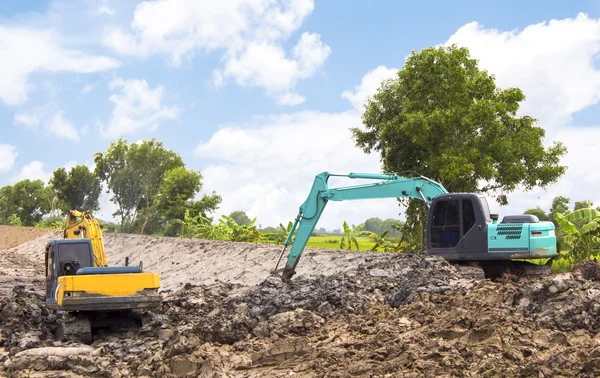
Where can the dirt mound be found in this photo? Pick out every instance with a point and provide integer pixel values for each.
(410, 316)
(13, 236)
(24, 264)
(180, 261)
(344, 313)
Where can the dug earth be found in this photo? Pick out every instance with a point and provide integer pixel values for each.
(369, 315)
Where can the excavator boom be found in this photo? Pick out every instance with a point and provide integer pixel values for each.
(81, 224)
(391, 186)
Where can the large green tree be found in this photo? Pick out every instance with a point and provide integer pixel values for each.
(176, 196)
(445, 118)
(29, 199)
(7, 205)
(150, 184)
(540, 213)
(133, 174)
(78, 189)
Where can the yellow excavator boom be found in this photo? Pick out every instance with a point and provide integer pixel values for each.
(82, 224)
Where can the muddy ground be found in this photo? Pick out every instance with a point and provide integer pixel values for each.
(371, 315)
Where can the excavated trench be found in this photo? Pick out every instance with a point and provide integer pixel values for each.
(406, 315)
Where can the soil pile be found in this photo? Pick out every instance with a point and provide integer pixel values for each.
(180, 261)
(411, 316)
(13, 236)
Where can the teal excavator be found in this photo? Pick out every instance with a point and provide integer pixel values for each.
(460, 227)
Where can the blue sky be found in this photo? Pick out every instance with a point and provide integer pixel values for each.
(76, 75)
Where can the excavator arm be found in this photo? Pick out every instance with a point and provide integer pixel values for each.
(82, 224)
(392, 186)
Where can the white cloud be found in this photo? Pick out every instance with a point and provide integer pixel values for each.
(33, 171)
(61, 127)
(137, 108)
(26, 51)
(27, 120)
(87, 88)
(8, 156)
(267, 169)
(106, 10)
(368, 86)
(250, 33)
(554, 63)
(265, 64)
(55, 122)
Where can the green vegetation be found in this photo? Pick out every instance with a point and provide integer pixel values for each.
(577, 231)
(446, 119)
(332, 241)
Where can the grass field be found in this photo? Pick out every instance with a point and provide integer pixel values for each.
(333, 242)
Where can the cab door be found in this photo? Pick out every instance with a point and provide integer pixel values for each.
(50, 272)
(473, 228)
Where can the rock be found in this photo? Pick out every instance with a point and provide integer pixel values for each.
(56, 352)
(165, 334)
(376, 272)
(590, 270)
(182, 366)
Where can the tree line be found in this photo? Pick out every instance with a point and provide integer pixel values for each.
(149, 184)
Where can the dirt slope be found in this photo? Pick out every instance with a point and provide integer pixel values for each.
(179, 261)
(14, 236)
(23, 264)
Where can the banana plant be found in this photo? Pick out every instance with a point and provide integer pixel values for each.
(582, 240)
(380, 241)
(14, 220)
(350, 235)
(285, 231)
(246, 232)
(201, 227)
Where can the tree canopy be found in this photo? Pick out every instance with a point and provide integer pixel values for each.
(149, 182)
(446, 119)
(79, 189)
(240, 217)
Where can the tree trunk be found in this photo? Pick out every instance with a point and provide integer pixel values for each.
(147, 216)
(144, 225)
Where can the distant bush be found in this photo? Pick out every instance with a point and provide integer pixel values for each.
(56, 222)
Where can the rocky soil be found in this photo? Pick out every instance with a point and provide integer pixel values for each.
(398, 315)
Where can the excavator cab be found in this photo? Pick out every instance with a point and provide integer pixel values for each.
(462, 228)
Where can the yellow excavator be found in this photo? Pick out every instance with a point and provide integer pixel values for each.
(80, 282)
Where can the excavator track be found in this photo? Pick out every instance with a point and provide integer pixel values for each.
(75, 327)
(81, 326)
(495, 269)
